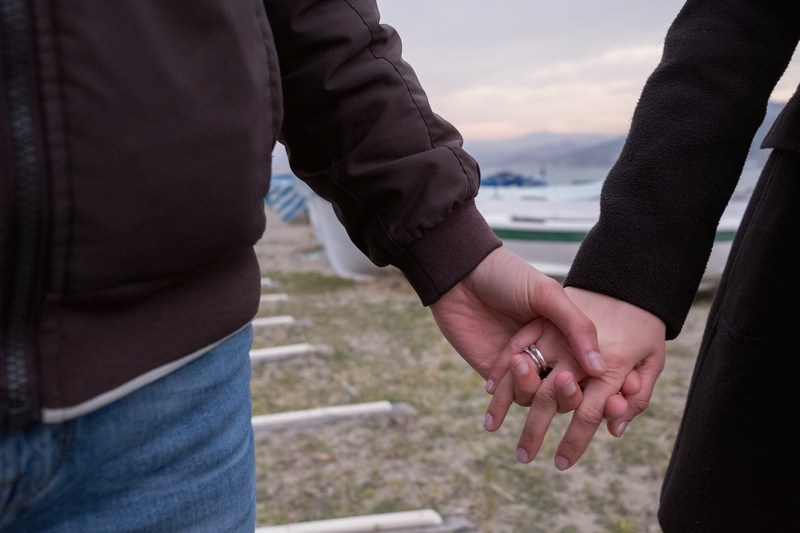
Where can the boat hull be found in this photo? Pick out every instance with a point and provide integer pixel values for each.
(552, 250)
(346, 260)
(545, 229)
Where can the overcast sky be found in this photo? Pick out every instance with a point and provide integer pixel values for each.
(502, 68)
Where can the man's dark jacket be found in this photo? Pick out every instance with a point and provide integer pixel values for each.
(135, 152)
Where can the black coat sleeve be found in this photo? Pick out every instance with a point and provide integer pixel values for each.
(684, 153)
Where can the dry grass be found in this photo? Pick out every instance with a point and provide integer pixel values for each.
(386, 347)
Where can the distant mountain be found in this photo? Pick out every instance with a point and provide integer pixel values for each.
(545, 150)
(536, 152)
(602, 154)
(534, 149)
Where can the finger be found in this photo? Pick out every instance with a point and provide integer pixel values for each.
(499, 405)
(520, 384)
(617, 406)
(545, 404)
(616, 409)
(632, 383)
(554, 304)
(568, 392)
(527, 335)
(526, 379)
(637, 402)
(543, 408)
(585, 422)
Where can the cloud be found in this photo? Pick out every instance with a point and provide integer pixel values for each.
(592, 94)
(513, 66)
(506, 67)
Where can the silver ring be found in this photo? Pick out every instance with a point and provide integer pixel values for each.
(538, 359)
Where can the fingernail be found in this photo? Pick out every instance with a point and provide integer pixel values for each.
(569, 388)
(490, 386)
(596, 361)
(522, 456)
(521, 368)
(561, 463)
(488, 422)
(621, 428)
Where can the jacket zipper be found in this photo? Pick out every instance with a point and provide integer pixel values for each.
(22, 406)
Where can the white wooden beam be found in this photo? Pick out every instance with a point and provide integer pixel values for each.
(277, 320)
(279, 353)
(307, 417)
(357, 524)
(273, 297)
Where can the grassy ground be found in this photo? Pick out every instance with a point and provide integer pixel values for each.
(386, 347)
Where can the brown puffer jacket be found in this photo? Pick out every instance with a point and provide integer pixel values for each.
(136, 144)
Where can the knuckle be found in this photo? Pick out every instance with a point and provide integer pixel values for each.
(570, 447)
(527, 435)
(640, 405)
(568, 405)
(523, 401)
(545, 398)
(589, 415)
(588, 328)
(515, 346)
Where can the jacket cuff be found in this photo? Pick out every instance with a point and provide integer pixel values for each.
(448, 253)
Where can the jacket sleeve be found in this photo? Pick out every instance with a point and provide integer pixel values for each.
(688, 141)
(360, 132)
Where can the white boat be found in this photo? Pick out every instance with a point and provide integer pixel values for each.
(544, 225)
(346, 260)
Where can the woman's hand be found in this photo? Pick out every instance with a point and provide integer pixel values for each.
(633, 345)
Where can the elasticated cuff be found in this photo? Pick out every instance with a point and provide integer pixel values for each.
(445, 255)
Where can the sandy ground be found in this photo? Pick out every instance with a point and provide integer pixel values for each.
(437, 457)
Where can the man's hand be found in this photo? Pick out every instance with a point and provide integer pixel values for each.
(502, 307)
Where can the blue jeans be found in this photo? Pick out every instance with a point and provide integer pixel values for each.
(176, 455)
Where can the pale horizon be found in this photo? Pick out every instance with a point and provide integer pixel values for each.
(516, 67)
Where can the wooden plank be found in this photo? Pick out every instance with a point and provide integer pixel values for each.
(356, 524)
(277, 320)
(279, 353)
(274, 297)
(308, 417)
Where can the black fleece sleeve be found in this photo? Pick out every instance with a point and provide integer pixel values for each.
(685, 151)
